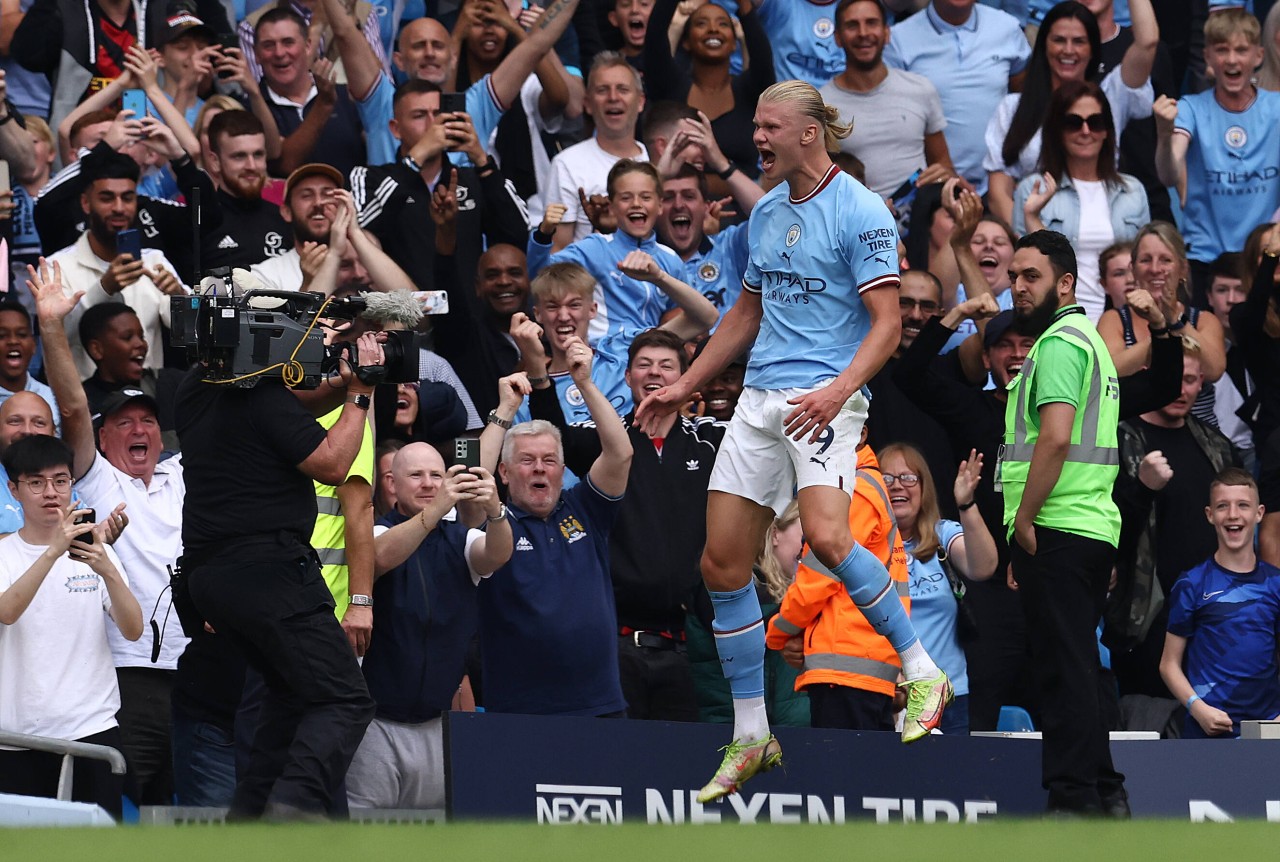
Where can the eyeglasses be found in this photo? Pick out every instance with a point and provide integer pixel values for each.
(906, 480)
(927, 306)
(38, 484)
(1075, 122)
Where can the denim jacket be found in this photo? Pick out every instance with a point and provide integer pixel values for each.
(1127, 200)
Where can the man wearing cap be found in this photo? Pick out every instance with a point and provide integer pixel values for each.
(127, 473)
(322, 212)
(93, 266)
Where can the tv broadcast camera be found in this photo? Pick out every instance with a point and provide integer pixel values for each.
(242, 336)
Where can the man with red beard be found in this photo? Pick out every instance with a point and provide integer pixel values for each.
(245, 229)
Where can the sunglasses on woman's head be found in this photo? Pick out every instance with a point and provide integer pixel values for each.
(1075, 122)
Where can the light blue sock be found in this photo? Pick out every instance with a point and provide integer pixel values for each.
(871, 589)
(739, 632)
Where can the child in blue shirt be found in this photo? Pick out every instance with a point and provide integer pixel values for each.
(1224, 614)
(638, 280)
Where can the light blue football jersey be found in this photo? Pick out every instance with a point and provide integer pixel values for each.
(811, 260)
(802, 34)
(1233, 171)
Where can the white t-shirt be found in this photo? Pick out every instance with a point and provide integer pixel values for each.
(56, 674)
(152, 542)
(1096, 233)
(584, 166)
(282, 272)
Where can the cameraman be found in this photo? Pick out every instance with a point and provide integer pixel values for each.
(250, 456)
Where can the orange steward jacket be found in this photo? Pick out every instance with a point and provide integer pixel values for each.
(840, 646)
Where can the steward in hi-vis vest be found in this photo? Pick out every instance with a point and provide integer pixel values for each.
(1057, 467)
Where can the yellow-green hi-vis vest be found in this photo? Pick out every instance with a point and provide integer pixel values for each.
(1080, 502)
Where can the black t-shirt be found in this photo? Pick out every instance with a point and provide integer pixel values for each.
(1185, 538)
(895, 418)
(247, 232)
(246, 498)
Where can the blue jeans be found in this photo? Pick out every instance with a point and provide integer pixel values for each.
(204, 763)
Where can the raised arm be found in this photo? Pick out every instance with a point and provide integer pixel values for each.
(53, 304)
(143, 70)
(663, 78)
(1135, 68)
(361, 65)
(397, 544)
(610, 472)
(491, 552)
(746, 192)
(697, 313)
(296, 149)
(965, 208)
(511, 73)
(105, 97)
(512, 391)
(15, 144)
(975, 550)
(1171, 146)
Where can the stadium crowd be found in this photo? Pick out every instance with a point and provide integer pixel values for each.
(572, 185)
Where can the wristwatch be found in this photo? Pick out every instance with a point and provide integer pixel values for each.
(727, 172)
(501, 516)
(495, 419)
(362, 601)
(361, 401)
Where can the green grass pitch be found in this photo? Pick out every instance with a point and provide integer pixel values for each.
(1014, 841)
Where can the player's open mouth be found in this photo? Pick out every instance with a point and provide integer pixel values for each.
(767, 158)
